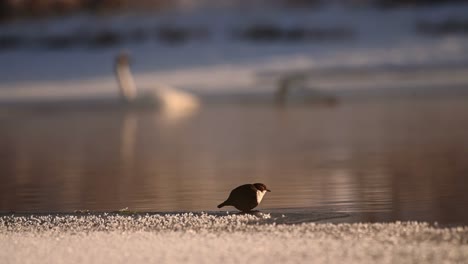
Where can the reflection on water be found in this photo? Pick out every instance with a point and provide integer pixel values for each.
(395, 160)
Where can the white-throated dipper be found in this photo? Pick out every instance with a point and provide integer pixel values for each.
(246, 197)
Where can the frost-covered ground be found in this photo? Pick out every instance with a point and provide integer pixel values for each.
(215, 238)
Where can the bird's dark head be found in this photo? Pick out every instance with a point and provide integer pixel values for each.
(261, 187)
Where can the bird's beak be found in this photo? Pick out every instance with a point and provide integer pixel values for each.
(268, 190)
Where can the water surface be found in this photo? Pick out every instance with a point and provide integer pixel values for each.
(386, 160)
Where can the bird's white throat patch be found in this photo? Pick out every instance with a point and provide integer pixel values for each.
(260, 195)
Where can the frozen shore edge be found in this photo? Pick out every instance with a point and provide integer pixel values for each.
(221, 237)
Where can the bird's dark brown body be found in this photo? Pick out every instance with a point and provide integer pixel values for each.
(246, 197)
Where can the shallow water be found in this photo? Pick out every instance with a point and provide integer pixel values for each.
(385, 160)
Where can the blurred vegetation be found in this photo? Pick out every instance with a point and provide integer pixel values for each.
(397, 3)
(39, 8)
(169, 34)
(448, 26)
(272, 32)
(10, 9)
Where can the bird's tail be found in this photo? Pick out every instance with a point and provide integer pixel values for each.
(222, 204)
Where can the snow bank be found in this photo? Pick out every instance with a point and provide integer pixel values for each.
(203, 238)
(221, 62)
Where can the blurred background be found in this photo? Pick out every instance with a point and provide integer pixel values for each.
(159, 105)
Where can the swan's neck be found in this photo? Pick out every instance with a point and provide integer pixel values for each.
(126, 83)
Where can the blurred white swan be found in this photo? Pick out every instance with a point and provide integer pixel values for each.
(166, 98)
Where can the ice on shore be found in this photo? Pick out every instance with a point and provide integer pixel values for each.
(210, 238)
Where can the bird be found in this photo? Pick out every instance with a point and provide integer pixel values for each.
(163, 96)
(246, 197)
